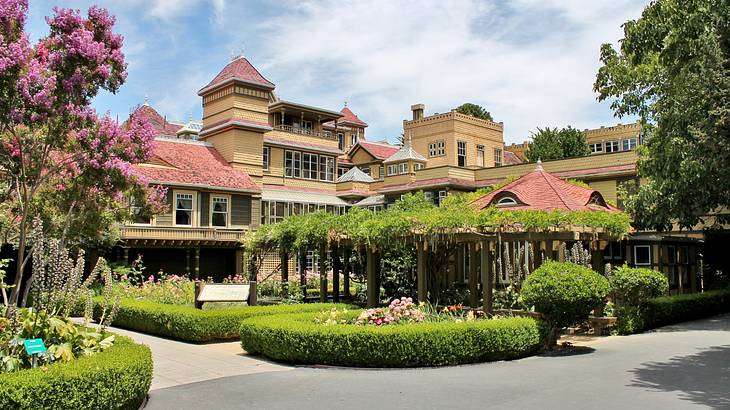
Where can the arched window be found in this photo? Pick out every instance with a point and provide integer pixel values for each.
(597, 200)
(506, 201)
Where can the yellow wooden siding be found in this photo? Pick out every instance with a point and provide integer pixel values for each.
(305, 139)
(607, 188)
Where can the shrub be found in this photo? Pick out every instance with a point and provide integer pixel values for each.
(296, 338)
(667, 310)
(564, 293)
(635, 286)
(118, 378)
(195, 325)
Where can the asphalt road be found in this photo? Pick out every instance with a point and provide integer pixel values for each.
(682, 366)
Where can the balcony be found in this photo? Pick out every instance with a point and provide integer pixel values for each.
(304, 131)
(180, 236)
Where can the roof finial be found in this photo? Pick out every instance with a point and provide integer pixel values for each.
(345, 103)
(146, 101)
(190, 117)
(539, 165)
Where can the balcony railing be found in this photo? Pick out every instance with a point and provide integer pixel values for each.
(304, 131)
(181, 233)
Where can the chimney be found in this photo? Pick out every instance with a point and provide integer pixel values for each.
(417, 110)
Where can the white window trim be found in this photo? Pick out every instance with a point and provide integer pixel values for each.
(402, 169)
(392, 169)
(506, 201)
(650, 256)
(267, 158)
(228, 210)
(194, 214)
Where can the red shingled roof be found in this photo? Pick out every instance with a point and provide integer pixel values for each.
(544, 191)
(377, 149)
(348, 117)
(510, 158)
(194, 164)
(158, 121)
(240, 69)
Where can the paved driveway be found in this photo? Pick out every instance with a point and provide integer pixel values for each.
(683, 366)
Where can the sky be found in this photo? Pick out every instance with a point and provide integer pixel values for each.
(531, 63)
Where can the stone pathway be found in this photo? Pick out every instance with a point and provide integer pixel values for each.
(178, 363)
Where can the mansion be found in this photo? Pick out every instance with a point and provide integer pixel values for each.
(256, 159)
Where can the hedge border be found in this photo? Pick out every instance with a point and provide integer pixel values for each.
(119, 376)
(668, 310)
(189, 324)
(297, 339)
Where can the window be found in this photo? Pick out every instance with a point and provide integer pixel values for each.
(429, 196)
(417, 166)
(353, 139)
(219, 211)
(436, 148)
(309, 166)
(276, 211)
(613, 251)
(506, 201)
(326, 168)
(266, 158)
(366, 170)
(139, 215)
(184, 209)
(307, 125)
(642, 255)
(442, 196)
(480, 155)
(611, 146)
(342, 171)
(629, 144)
(381, 172)
(498, 157)
(403, 168)
(596, 148)
(292, 164)
(341, 140)
(392, 169)
(461, 153)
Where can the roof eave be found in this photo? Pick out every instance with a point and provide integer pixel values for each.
(231, 80)
(208, 187)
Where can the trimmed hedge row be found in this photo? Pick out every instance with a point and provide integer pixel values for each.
(667, 310)
(296, 338)
(194, 325)
(118, 378)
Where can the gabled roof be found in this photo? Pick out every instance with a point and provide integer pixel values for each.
(510, 158)
(348, 117)
(541, 190)
(379, 150)
(404, 154)
(159, 123)
(194, 164)
(240, 69)
(355, 175)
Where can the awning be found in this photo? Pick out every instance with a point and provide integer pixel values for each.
(372, 200)
(304, 197)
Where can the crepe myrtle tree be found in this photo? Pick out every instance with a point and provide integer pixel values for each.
(52, 142)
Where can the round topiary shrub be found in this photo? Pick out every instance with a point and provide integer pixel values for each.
(564, 293)
(299, 339)
(117, 378)
(635, 286)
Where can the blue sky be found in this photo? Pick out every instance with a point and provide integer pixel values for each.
(531, 63)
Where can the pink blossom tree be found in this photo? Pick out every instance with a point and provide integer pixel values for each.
(52, 142)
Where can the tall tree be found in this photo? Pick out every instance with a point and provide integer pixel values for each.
(475, 111)
(673, 70)
(551, 143)
(52, 143)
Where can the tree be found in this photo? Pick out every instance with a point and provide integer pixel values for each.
(551, 143)
(673, 70)
(475, 111)
(53, 146)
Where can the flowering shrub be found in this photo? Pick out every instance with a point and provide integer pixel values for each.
(168, 289)
(401, 310)
(334, 316)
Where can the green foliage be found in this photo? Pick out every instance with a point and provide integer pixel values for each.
(564, 293)
(415, 215)
(296, 338)
(667, 310)
(118, 378)
(551, 143)
(195, 325)
(673, 71)
(475, 111)
(635, 286)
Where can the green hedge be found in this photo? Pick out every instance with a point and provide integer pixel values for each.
(295, 338)
(667, 310)
(194, 325)
(118, 378)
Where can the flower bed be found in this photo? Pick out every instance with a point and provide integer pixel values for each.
(667, 310)
(117, 378)
(195, 325)
(299, 338)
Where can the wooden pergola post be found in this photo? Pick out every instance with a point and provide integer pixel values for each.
(549, 250)
(336, 268)
(473, 278)
(284, 273)
(373, 289)
(346, 273)
(597, 257)
(323, 273)
(486, 272)
(536, 255)
(421, 272)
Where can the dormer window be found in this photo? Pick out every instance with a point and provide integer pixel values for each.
(506, 201)
(597, 200)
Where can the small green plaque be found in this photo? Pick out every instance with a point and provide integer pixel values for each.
(34, 346)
